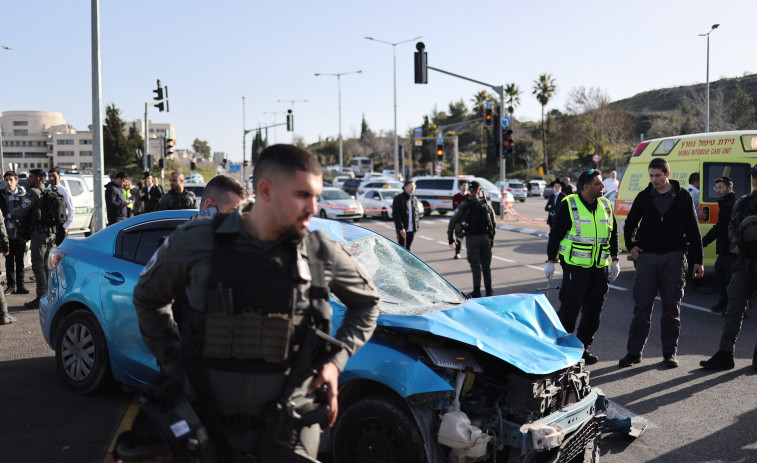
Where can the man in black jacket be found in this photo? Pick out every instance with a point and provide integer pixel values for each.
(114, 199)
(151, 193)
(405, 214)
(660, 224)
(554, 200)
(719, 234)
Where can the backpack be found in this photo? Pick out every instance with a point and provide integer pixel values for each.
(53, 208)
(477, 217)
(748, 229)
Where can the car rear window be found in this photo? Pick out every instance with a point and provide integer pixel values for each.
(516, 185)
(427, 184)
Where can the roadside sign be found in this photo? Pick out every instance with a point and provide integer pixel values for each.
(440, 141)
(506, 122)
(596, 158)
(234, 168)
(488, 105)
(418, 136)
(438, 168)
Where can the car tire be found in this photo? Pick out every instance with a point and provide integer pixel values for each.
(356, 220)
(441, 212)
(378, 429)
(384, 214)
(81, 353)
(323, 214)
(523, 200)
(426, 209)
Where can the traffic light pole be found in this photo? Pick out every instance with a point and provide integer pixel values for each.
(500, 90)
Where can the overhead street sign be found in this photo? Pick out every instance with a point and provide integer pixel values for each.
(506, 121)
(418, 136)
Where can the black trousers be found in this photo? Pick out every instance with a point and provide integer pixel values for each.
(14, 264)
(407, 241)
(583, 290)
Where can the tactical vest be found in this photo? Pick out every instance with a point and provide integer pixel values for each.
(258, 304)
(587, 243)
(477, 217)
(180, 200)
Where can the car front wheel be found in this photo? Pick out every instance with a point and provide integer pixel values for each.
(378, 429)
(81, 353)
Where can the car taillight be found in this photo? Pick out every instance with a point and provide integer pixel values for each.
(56, 255)
(640, 148)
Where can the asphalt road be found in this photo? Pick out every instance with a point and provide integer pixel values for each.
(692, 415)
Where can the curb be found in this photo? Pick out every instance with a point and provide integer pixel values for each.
(526, 231)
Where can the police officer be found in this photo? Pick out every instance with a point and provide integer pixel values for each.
(476, 218)
(177, 197)
(43, 235)
(254, 282)
(742, 231)
(585, 235)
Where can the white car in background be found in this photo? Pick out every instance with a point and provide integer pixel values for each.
(377, 202)
(334, 203)
(516, 187)
(339, 180)
(378, 183)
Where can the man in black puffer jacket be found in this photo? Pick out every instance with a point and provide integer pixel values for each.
(719, 234)
(661, 222)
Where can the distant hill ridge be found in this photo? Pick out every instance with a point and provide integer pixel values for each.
(669, 99)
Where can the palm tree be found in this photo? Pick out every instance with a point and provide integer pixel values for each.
(513, 97)
(544, 89)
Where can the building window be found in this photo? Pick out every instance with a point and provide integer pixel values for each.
(85, 142)
(85, 165)
(65, 142)
(37, 155)
(65, 153)
(13, 155)
(21, 133)
(20, 123)
(85, 153)
(40, 143)
(26, 165)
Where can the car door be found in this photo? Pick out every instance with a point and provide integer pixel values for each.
(83, 203)
(119, 274)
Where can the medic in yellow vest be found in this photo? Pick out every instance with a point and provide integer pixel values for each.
(585, 235)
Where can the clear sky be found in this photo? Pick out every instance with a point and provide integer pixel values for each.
(211, 54)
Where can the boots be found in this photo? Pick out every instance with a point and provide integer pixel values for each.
(489, 291)
(720, 361)
(754, 359)
(476, 292)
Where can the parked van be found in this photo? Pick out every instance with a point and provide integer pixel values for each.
(435, 193)
(713, 155)
(361, 166)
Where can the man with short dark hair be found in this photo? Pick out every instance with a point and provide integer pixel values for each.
(61, 230)
(260, 271)
(178, 197)
(659, 225)
(42, 235)
(223, 193)
(742, 234)
(114, 199)
(476, 217)
(584, 235)
(719, 234)
(405, 215)
(11, 198)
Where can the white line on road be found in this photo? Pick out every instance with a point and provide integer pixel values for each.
(443, 243)
(504, 259)
(425, 238)
(618, 288)
(692, 306)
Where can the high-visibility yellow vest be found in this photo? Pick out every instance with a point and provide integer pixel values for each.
(587, 243)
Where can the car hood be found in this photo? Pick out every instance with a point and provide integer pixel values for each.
(343, 202)
(521, 329)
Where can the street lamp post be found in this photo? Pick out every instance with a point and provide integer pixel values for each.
(339, 86)
(2, 161)
(292, 102)
(397, 168)
(274, 122)
(707, 104)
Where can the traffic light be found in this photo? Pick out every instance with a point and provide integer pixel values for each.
(290, 121)
(160, 163)
(440, 152)
(508, 147)
(488, 116)
(421, 64)
(168, 146)
(158, 97)
(192, 165)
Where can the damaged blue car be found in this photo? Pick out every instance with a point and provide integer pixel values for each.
(443, 379)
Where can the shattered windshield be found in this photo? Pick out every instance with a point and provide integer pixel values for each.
(407, 285)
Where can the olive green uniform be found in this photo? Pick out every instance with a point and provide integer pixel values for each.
(43, 237)
(174, 201)
(183, 263)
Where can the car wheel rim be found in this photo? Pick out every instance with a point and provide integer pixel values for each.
(378, 443)
(78, 352)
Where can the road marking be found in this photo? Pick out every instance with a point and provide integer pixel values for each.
(504, 259)
(425, 238)
(443, 243)
(618, 288)
(691, 306)
(536, 268)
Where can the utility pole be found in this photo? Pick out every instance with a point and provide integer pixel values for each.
(292, 102)
(98, 162)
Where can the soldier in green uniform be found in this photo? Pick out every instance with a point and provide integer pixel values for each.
(177, 197)
(43, 235)
(253, 282)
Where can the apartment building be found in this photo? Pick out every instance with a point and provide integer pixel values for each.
(26, 138)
